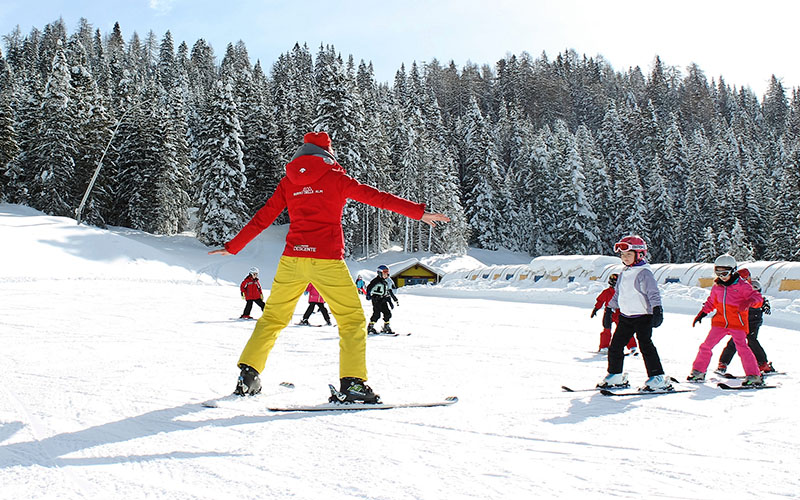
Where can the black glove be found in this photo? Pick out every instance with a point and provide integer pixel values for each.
(594, 312)
(397, 302)
(658, 316)
(699, 318)
(766, 307)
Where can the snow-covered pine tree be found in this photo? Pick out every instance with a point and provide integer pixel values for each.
(54, 150)
(741, 250)
(9, 148)
(701, 210)
(663, 246)
(707, 247)
(599, 192)
(340, 114)
(628, 205)
(220, 171)
(784, 241)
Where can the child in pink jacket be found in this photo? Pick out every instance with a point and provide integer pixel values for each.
(315, 300)
(732, 298)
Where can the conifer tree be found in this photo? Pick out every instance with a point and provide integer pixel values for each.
(220, 171)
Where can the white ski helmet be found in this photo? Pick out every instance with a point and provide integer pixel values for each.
(756, 285)
(253, 270)
(725, 260)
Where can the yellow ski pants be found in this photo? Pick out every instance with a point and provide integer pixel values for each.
(333, 281)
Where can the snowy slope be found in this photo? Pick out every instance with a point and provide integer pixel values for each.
(109, 340)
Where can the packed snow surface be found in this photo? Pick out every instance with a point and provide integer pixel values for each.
(110, 340)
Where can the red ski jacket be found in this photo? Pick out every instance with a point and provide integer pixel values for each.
(251, 288)
(313, 295)
(732, 302)
(315, 190)
(604, 298)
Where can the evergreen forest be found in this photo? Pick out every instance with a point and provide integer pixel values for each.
(545, 155)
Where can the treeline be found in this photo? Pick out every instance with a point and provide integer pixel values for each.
(557, 156)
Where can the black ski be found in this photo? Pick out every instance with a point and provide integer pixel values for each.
(594, 389)
(732, 376)
(606, 392)
(393, 334)
(744, 387)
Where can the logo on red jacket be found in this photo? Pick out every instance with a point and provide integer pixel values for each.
(307, 190)
(304, 248)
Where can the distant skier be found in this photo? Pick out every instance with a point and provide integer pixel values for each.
(360, 285)
(639, 302)
(755, 318)
(251, 292)
(379, 291)
(609, 316)
(315, 300)
(315, 190)
(731, 297)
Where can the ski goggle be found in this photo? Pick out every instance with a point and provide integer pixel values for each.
(723, 272)
(624, 246)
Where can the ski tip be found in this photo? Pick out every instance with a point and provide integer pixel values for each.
(288, 385)
(451, 399)
(566, 389)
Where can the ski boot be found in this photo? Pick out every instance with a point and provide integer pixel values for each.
(248, 384)
(753, 381)
(634, 351)
(722, 368)
(371, 328)
(603, 350)
(657, 383)
(386, 328)
(696, 376)
(766, 367)
(614, 380)
(303, 322)
(354, 390)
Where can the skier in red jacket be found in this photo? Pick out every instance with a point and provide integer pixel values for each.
(610, 316)
(251, 292)
(315, 190)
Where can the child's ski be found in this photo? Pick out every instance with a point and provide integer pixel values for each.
(732, 376)
(365, 406)
(594, 389)
(606, 392)
(744, 387)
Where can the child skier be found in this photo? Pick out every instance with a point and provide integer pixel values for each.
(379, 291)
(314, 300)
(251, 292)
(360, 285)
(755, 318)
(315, 190)
(639, 304)
(732, 297)
(609, 316)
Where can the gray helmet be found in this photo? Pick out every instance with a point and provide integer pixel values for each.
(253, 270)
(756, 284)
(725, 260)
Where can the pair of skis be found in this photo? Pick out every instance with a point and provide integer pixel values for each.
(234, 400)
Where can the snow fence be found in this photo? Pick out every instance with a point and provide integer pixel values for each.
(777, 278)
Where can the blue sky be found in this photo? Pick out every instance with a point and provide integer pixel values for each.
(744, 43)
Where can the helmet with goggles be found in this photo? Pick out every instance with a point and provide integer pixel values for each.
(632, 243)
(724, 265)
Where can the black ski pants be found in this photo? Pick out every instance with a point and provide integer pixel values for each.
(642, 326)
(322, 309)
(752, 341)
(249, 306)
(380, 305)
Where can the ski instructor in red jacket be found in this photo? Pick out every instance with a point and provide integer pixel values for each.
(315, 190)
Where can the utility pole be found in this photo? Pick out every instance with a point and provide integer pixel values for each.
(100, 162)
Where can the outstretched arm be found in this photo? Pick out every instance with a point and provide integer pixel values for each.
(431, 219)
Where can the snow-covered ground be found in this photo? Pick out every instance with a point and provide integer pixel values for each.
(109, 341)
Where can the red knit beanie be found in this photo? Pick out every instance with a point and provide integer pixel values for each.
(320, 139)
